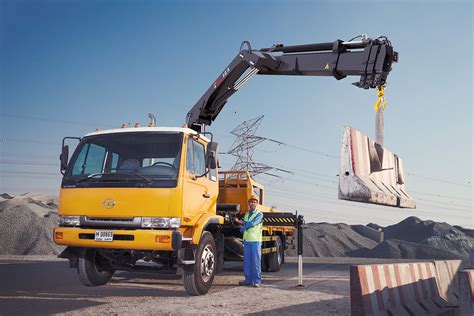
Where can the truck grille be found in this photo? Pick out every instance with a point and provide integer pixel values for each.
(116, 222)
(99, 219)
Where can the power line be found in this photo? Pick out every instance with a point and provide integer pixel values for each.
(339, 203)
(27, 173)
(468, 185)
(25, 140)
(320, 153)
(14, 162)
(322, 177)
(437, 203)
(43, 119)
(28, 155)
(441, 196)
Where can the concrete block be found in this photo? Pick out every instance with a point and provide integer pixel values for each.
(397, 289)
(466, 289)
(374, 234)
(370, 173)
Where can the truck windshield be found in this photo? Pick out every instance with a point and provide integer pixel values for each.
(127, 155)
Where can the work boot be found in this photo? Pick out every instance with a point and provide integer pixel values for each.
(243, 283)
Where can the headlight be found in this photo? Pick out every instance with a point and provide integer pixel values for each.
(161, 222)
(69, 221)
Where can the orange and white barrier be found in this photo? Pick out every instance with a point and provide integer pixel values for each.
(370, 173)
(396, 289)
(448, 280)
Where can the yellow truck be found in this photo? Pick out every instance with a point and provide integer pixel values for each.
(152, 198)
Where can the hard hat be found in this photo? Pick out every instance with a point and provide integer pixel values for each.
(253, 197)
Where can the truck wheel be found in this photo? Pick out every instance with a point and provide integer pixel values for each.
(275, 259)
(198, 279)
(264, 263)
(93, 269)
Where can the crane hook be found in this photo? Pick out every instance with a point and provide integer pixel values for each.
(381, 99)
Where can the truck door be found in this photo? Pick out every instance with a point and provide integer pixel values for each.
(196, 193)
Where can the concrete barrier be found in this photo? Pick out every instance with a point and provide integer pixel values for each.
(466, 289)
(471, 259)
(374, 234)
(370, 173)
(396, 289)
(448, 280)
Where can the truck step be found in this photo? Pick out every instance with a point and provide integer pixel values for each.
(187, 262)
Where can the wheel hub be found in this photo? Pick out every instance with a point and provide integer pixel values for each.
(207, 263)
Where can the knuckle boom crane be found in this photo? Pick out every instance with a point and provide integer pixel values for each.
(155, 194)
(370, 59)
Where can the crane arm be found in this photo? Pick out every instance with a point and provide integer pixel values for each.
(371, 59)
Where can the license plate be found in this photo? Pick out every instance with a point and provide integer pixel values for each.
(104, 235)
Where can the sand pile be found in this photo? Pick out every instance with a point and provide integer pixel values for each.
(330, 240)
(26, 225)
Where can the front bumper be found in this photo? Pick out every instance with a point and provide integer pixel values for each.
(140, 239)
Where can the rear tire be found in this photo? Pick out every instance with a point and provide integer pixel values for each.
(198, 279)
(264, 264)
(93, 269)
(275, 259)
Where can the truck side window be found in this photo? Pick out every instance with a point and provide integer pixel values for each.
(189, 157)
(114, 164)
(195, 158)
(199, 158)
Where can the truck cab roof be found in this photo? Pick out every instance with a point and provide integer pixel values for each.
(184, 130)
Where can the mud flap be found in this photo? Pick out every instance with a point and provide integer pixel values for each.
(72, 254)
(370, 173)
(220, 253)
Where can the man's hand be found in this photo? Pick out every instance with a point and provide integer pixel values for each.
(238, 221)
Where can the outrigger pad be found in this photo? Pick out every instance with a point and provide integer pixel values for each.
(370, 173)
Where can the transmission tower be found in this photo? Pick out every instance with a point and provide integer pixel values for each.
(243, 148)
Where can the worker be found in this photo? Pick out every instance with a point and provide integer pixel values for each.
(251, 227)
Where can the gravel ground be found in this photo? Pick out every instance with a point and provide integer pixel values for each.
(30, 287)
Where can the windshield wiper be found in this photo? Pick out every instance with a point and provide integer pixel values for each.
(101, 174)
(91, 176)
(138, 176)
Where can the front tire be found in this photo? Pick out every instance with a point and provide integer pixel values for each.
(93, 269)
(198, 279)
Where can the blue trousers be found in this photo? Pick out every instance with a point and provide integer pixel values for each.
(252, 262)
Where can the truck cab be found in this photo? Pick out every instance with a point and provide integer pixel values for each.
(139, 193)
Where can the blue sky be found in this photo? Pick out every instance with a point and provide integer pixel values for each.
(67, 67)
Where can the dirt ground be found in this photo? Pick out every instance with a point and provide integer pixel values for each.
(45, 285)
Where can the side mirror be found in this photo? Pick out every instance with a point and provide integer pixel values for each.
(211, 155)
(64, 158)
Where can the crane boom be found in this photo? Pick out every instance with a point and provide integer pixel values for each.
(371, 59)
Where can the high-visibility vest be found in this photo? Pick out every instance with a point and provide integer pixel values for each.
(253, 233)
